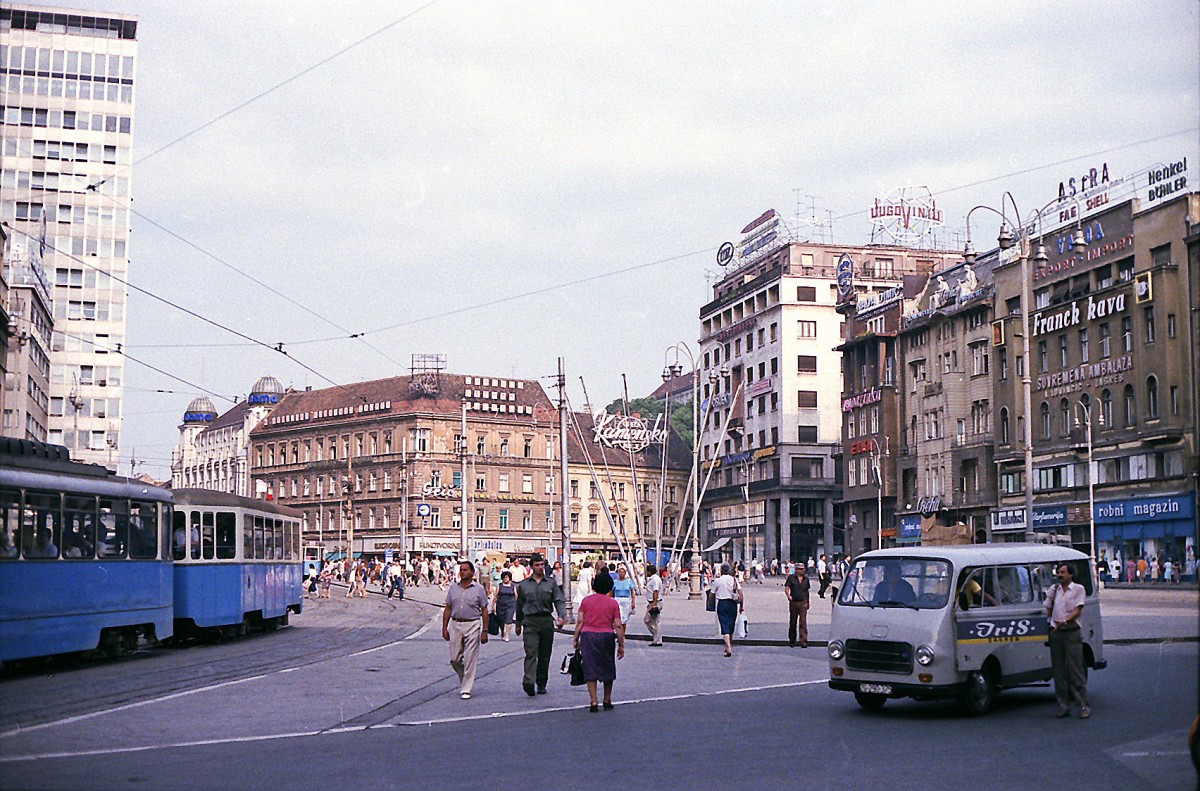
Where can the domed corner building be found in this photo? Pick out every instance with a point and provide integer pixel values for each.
(213, 449)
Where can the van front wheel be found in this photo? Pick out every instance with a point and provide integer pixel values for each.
(870, 700)
(981, 692)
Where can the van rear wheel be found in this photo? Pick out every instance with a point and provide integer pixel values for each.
(981, 692)
(870, 701)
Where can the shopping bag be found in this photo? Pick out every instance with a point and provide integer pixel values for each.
(741, 627)
(493, 624)
(710, 602)
(575, 666)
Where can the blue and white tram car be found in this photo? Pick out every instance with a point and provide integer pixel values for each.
(237, 561)
(84, 555)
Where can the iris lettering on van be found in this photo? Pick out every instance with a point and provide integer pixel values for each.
(1004, 631)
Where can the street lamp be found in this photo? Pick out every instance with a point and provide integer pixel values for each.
(1006, 240)
(1086, 409)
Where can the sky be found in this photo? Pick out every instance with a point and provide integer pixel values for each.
(509, 182)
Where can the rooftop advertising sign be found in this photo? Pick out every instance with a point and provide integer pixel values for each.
(906, 214)
(632, 434)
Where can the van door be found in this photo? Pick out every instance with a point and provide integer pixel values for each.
(997, 613)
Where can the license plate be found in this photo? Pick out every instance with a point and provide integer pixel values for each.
(876, 689)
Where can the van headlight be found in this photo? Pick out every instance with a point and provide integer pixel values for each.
(836, 650)
(924, 655)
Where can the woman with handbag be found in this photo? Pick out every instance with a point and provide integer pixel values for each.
(729, 604)
(505, 604)
(597, 632)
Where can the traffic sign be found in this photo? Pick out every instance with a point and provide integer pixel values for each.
(423, 509)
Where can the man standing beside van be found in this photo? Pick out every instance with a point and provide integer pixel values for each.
(1064, 605)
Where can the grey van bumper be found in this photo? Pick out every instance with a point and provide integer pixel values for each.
(905, 690)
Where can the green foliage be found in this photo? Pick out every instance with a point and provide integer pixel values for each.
(650, 409)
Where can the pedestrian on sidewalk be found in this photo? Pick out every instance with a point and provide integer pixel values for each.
(464, 625)
(1130, 570)
(540, 608)
(1064, 605)
(729, 604)
(653, 619)
(622, 591)
(797, 588)
(583, 583)
(505, 603)
(598, 631)
(823, 576)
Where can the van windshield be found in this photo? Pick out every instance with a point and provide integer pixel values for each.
(914, 583)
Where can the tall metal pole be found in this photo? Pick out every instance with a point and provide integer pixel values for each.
(694, 566)
(350, 502)
(564, 504)
(404, 501)
(462, 456)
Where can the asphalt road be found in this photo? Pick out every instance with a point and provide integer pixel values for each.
(383, 712)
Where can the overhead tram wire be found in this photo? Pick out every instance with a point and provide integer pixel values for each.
(615, 272)
(268, 287)
(121, 351)
(275, 348)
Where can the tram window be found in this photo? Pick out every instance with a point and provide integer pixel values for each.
(179, 535)
(42, 525)
(288, 546)
(79, 528)
(10, 522)
(165, 523)
(143, 531)
(206, 535)
(271, 530)
(114, 526)
(260, 543)
(194, 536)
(247, 537)
(226, 535)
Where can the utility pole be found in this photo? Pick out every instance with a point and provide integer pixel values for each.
(404, 501)
(564, 505)
(462, 457)
(349, 516)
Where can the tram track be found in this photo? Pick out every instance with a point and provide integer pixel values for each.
(35, 698)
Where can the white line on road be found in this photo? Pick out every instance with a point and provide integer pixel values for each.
(412, 636)
(89, 715)
(301, 734)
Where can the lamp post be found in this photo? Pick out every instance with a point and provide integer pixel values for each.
(1086, 409)
(1006, 241)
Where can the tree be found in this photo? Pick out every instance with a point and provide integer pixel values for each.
(650, 409)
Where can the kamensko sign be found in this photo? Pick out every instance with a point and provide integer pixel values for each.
(632, 434)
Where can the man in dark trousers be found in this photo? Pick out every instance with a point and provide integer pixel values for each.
(825, 574)
(540, 608)
(796, 587)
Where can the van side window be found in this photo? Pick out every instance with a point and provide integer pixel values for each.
(1013, 585)
(978, 589)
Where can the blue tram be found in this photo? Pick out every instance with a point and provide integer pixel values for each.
(84, 555)
(237, 562)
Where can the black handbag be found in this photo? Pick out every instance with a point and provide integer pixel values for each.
(493, 625)
(710, 603)
(575, 668)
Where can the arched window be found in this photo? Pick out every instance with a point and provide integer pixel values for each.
(1064, 409)
(1130, 406)
(1004, 426)
(1106, 407)
(1152, 397)
(1045, 420)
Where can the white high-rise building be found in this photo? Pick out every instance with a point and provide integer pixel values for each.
(67, 86)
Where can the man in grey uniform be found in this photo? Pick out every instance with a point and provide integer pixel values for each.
(540, 608)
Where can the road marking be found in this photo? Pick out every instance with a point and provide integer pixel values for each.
(655, 699)
(351, 729)
(127, 706)
(412, 636)
(1154, 753)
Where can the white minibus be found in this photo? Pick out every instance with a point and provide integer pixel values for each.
(952, 622)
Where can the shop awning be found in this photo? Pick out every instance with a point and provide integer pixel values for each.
(720, 542)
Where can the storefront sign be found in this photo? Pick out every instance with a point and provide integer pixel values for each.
(861, 446)
(734, 532)
(1143, 509)
(1088, 309)
(874, 303)
(632, 434)
(1008, 520)
(1106, 234)
(761, 386)
(262, 398)
(1105, 372)
(741, 327)
(441, 492)
(1165, 182)
(910, 526)
(205, 417)
(760, 236)
(1047, 519)
(511, 546)
(872, 396)
(929, 505)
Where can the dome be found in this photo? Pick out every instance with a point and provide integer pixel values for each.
(201, 410)
(267, 385)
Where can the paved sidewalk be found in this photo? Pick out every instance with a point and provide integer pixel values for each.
(1131, 614)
